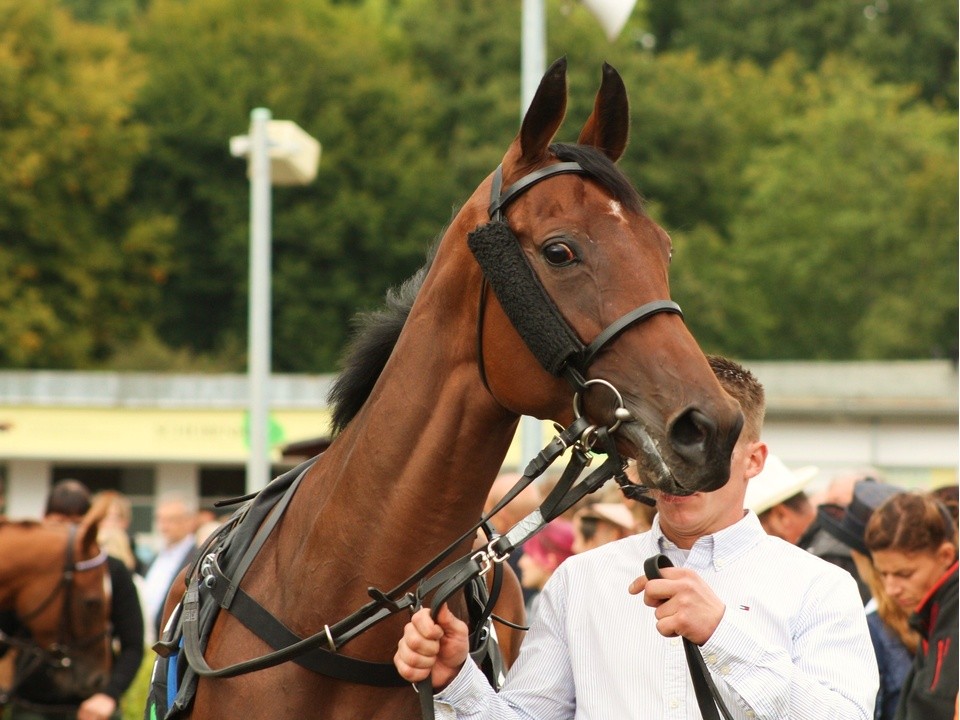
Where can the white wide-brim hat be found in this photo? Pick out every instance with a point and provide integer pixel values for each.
(776, 483)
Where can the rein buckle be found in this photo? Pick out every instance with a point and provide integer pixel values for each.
(488, 557)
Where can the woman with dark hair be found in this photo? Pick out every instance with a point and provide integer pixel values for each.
(894, 641)
(913, 541)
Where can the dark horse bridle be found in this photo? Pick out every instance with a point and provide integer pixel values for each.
(560, 351)
(527, 304)
(61, 653)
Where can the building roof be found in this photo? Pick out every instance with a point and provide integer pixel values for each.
(155, 390)
(914, 388)
(856, 389)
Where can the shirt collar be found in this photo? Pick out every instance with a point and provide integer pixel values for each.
(718, 549)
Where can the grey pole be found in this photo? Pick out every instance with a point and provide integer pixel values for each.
(533, 50)
(258, 352)
(533, 63)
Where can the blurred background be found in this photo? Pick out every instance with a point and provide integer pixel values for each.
(803, 157)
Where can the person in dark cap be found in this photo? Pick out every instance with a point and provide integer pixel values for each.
(893, 640)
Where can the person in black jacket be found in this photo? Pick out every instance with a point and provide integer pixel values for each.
(913, 540)
(69, 500)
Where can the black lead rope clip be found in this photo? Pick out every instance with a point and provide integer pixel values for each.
(653, 565)
(711, 704)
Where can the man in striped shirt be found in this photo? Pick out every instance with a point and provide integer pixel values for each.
(782, 632)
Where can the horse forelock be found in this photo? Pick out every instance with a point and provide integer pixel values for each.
(374, 337)
(604, 171)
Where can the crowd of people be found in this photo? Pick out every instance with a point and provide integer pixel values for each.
(838, 604)
(841, 604)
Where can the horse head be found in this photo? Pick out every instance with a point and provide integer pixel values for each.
(581, 295)
(64, 603)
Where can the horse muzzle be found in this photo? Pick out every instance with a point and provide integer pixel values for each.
(691, 455)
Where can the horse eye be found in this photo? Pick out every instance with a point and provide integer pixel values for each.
(559, 254)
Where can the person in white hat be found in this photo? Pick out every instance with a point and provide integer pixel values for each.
(778, 496)
(597, 524)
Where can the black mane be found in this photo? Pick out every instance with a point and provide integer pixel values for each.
(375, 333)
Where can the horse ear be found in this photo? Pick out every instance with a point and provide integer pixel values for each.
(608, 126)
(545, 114)
(90, 524)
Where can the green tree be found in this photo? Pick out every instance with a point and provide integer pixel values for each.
(363, 225)
(848, 235)
(124, 219)
(808, 210)
(119, 13)
(904, 41)
(695, 126)
(80, 269)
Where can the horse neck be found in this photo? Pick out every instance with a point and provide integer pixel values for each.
(411, 471)
(25, 550)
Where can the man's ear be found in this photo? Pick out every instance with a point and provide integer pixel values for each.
(756, 458)
(782, 516)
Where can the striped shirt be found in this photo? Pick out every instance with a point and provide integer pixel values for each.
(793, 641)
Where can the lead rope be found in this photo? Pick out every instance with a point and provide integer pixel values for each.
(708, 697)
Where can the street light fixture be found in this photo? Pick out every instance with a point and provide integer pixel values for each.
(278, 152)
(612, 16)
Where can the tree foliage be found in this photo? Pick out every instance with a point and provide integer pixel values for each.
(80, 269)
(337, 244)
(803, 157)
(903, 41)
(852, 222)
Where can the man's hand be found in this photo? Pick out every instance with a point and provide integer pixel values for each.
(97, 707)
(432, 649)
(685, 604)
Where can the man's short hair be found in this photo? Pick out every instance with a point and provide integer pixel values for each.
(68, 497)
(743, 387)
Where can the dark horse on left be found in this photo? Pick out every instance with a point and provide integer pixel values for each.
(55, 589)
(546, 296)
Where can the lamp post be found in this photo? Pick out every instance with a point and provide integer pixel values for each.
(278, 152)
(612, 15)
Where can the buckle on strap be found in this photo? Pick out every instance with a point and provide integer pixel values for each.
(499, 200)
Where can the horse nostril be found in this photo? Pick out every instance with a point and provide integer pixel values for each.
(692, 434)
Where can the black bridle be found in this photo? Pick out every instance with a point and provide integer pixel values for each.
(531, 310)
(60, 654)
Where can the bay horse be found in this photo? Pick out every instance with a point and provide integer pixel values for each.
(54, 589)
(547, 295)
